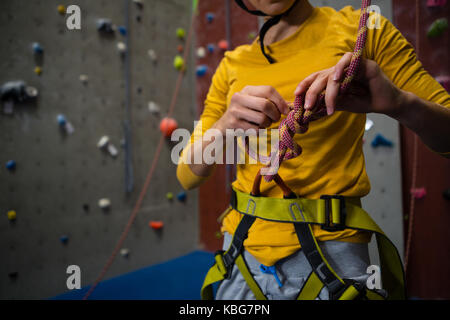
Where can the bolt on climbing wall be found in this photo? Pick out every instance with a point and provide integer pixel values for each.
(62, 178)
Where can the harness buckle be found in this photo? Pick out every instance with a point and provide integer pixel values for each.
(329, 225)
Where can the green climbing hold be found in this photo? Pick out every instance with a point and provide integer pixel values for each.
(437, 28)
(178, 63)
(181, 33)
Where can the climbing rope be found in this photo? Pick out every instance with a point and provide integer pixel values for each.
(298, 119)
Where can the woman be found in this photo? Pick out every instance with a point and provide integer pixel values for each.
(305, 52)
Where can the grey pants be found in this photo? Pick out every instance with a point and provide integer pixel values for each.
(349, 260)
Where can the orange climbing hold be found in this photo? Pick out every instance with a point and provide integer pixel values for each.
(156, 225)
(167, 126)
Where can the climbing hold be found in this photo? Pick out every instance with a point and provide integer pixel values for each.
(379, 140)
(211, 47)
(86, 207)
(121, 47)
(201, 52)
(17, 91)
(104, 203)
(152, 54)
(178, 63)
(251, 35)
(112, 150)
(201, 70)
(446, 194)
(84, 78)
(223, 44)
(61, 120)
(419, 193)
(65, 125)
(169, 196)
(124, 252)
(156, 225)
(218, 234)
(436, 3)
(13, 275)
(167, 126)
(181, 196)
(122, 30)
(61, 9)
(64, 239)
(369, 124)
(37, 48)
(38, 70)
(209, 17)
(103, 142)
(12, 215)
(437, 28)
(105, 26)
(181, 33)
(180, 48)
(153, 108)
(11, 165)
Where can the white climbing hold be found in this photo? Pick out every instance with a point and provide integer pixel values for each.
(124, 252)
(121, 47)
(112, 150)
(201, 52)
(152, 55)
(153, 107)
(103, 142)
(84, 78)
(104, 203)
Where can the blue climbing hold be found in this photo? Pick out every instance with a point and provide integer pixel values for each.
(64, 239)
(210, 48)
(11, 165)
(210, 17)
(37, 48)
(122, 30)
(379, 140)
(201, 70)
(271, 270)
(61, 120)
(181, 196)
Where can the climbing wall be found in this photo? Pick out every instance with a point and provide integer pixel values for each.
(60, 176)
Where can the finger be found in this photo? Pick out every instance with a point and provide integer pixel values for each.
(331, 94)
(270, 93)
(305, 83)
(245, 125)
(314, 91)
(263, 105)
(255, 117)
(343, 63)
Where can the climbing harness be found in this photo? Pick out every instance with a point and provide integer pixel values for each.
(330, 212)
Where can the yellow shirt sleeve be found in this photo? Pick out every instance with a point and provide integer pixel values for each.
(398, 60)
(215, 107)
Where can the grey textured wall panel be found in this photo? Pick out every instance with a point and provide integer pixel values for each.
(57, 175)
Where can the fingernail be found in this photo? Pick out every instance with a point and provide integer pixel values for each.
(335, 77)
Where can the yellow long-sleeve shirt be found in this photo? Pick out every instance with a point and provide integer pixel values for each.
(332, 161)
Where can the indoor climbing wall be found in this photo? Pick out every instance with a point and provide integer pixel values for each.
(63, 199)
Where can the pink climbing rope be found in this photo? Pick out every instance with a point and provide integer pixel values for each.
(298, 119)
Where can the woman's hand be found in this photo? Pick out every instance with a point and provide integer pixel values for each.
(254, 107)
(370, 91)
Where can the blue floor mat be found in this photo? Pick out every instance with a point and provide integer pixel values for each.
(177, 279)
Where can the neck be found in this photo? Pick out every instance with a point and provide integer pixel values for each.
(290, 22)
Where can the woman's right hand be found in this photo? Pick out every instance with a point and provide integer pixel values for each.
(254, 107)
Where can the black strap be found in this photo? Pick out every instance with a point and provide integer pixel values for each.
(241, 4)
(334, 285)
(237, 243)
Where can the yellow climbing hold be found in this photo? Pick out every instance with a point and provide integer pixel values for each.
(178, 63)
(12, 215)
(181, 33)
(61, 9)
(169, 196)
(38, 70)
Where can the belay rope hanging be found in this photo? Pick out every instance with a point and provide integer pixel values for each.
(331, 212)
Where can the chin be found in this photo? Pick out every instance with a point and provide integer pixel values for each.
(272, 7)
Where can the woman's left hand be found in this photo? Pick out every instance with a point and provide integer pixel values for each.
(370, 91)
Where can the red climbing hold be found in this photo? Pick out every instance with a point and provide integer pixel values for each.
(156, 225)
(223, 44)
(167, 126)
